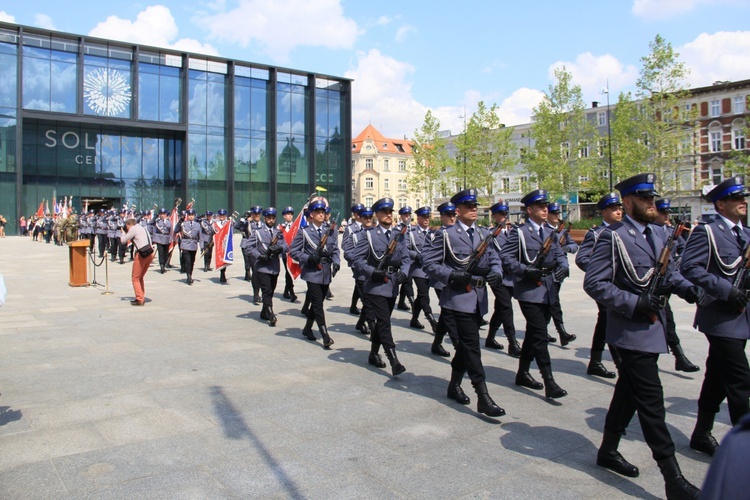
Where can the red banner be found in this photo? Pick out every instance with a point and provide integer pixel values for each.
(224, 245)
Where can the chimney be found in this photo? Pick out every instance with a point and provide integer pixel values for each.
(595, 104)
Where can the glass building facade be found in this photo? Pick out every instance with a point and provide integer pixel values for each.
(108, 123)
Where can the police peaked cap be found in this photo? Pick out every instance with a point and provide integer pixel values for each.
(208, 213)
(366, 212)
(554, 207)
(221, 212)
(382, 204)
(316, 204)
(446, 207)
(163, 211)
(404, 210)
(536, 196)
(498, 207)
(357, 207)
(467, 196)
(663, 204)
(732, 186)
(608, 200)
(256, 209)
(423, 211)
(190, 212)
(641, 184)
(287, 210)
(269, 211)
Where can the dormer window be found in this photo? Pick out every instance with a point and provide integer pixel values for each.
(399, 147)
(385, 145)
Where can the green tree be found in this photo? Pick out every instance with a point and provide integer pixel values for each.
(738, 162)
(655, 132)
(563, 159)
(484, 150)
(425, 176)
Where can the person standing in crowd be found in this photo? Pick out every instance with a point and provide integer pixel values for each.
(681, 362)
(266, 245)
(243, 225)
(452, 259)
(406, 293)
(162, 237)
(285, 227)
(610, 207)
(190, 233)
(711, 259)
(101, 231)
(354, 226)
(143, 257)
(48, 224)
(503, 308)
(383, 274)
(419, 237)
(121, 247)
(91, 222)
(534, 288)
(447, 213)
(207, 238)
(618, 276)
(554, 219)
(23, 225)
(320, 263)
(253, 225)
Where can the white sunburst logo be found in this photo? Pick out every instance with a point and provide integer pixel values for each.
(106, 91)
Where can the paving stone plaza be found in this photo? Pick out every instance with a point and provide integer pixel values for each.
(192, 396)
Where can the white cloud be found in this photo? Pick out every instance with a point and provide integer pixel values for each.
(592, 73)
(724, 55)
(277, 27)
(153, 26)
(44, 21)
(381, 95)
(403, 32)
(6, 18)
(659, 10)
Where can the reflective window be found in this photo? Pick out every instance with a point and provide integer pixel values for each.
(107, 86)
(158, 93)
(50, 80)
(8, 75)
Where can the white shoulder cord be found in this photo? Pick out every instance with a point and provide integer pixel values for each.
(628, 264)
(726, 269)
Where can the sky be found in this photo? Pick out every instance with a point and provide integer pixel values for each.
(408, 57)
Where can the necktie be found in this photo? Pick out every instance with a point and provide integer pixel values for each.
(650, 239)
(470, 232)
(738, 233)
(320, 233)
(388, 234)
(541, 233)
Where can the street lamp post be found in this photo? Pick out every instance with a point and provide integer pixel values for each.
(609, 136)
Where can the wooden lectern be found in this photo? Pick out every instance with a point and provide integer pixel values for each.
(78, 264)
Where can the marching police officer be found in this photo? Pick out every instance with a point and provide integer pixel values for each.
(190, 234)
(348, 244)
(681, 362)
(610, 207)
(101, 231)
(383, 274)
(451, 258)
(618, 275)
(162, 237)
(534, 288)
(285, 227)
(243, 226)
(447, 211)
(554, 212)
(418, 238)
(407, 290)
(207, 237)
(353, 226)
(266, 245)
(712, 258)
(503, 308)
(317, 251)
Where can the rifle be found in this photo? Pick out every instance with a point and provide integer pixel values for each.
(563, 233)
(546, 247)
(480, 250)
(660, 269)
(324, 239)
(177, 203)
(742, 271)
(391, 249)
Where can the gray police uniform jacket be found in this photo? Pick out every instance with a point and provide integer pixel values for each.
(348, 243)
(568, 245)
(617, 274)
(190, 233)
(583, 256)
(449, 251)
(260, 240)
(304, 244)
(417, 238)
(369, 252)
(101, 224)
(207, 232)
(162, 231)
(434, 283)
(497, 247)
(519, 251)
(112, 226)
(710, 260)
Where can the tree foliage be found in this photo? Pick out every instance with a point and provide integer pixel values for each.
(430, 157)
(563, 159)
(484, 150)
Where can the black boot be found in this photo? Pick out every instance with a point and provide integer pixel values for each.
(565, 337)
(437, 344)
(205, 268)
(551, 339)
(256, 298)
(396, 366)
(292, 297)
(514, 348)
(609, 458)
(248, 276)
(272, 319)
(375, 359)
(363, 328)
(223, 276)
(675, 484)
(414, 323)
(702, 440)
(551, 389)
(327, 340)
(189, 279)
(162, 270)
(433, 322)
(681, 363)
(402, 306)
(307, 330)
(524, 378)
(264, 313)
(492, 343)
(485, 404)
(454, 388)
(596, 367)
(353, 309)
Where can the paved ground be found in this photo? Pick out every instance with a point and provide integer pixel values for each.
(192, 396)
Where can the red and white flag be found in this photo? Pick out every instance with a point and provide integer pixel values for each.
(223, 245)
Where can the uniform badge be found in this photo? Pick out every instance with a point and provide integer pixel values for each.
(721, 226)
(650, 178)
(631, 232)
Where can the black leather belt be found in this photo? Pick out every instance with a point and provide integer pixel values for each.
(391, 269)
(478, 282)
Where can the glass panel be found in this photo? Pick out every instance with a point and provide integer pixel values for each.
(292, 164)
(258, 113)
(283, 112)
(8, 77)
(7, 143)
(215, 102)
(169, 99)
(36, 83)
(259, 168)
(148, 96)
(151, 157)
(107, 91)
(132, 157)
(196, 157)
(241, 159)
(215, 155)
(110, 156)
(197, 101)
(64, 83)
(242, 107)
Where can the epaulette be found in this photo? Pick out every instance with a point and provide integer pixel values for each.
(616, 225)
(702, 222)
